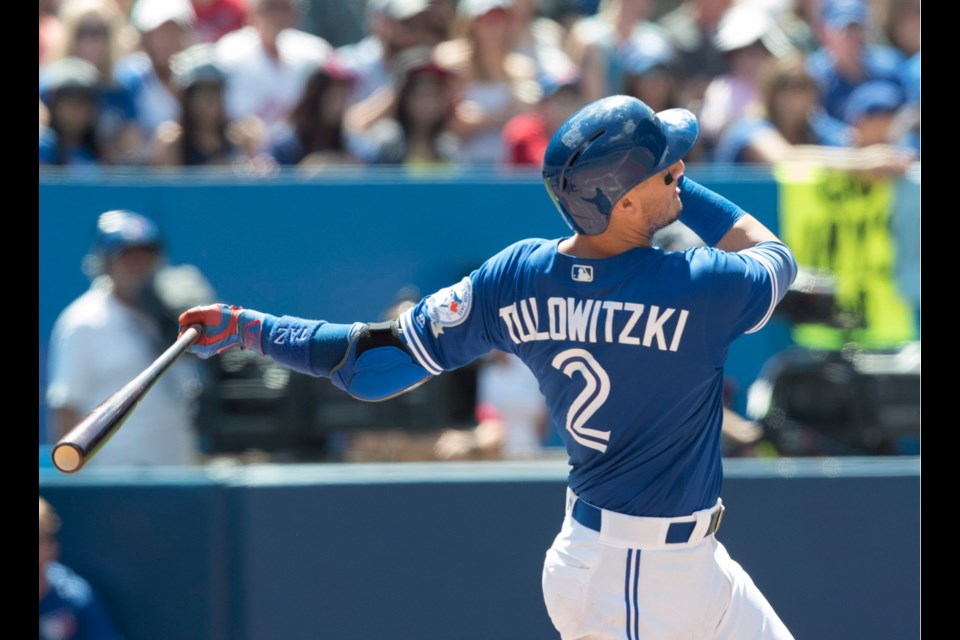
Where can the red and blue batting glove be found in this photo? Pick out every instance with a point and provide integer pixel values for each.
(223, 327)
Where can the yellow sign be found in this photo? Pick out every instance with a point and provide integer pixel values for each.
(839, 222)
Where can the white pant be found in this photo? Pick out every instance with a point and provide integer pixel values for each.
(610, 591)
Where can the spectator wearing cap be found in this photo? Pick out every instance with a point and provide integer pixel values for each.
(527, 135)
(691, 27)
(789, 125)
(217, 18)
(313, 134)
(96, 31)
(417, 133)
(202, 133)
(749, 38)
(846, 60)
(69, 138)
(394, 26)
(598, 43)
(495, 82)
(267, 63)
(105, 338)
(871, 111)
(165, 28)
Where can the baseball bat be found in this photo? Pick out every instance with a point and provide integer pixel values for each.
(84, 440)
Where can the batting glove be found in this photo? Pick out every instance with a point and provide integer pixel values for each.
(223, 327)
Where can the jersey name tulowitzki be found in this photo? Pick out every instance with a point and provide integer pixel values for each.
(611, 321)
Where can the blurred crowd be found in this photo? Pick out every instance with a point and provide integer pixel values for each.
(253, 86)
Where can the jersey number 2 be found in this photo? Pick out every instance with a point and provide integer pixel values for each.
(592, 397)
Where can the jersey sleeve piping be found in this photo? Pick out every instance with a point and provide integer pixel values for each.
(774, 286)
(416, 347)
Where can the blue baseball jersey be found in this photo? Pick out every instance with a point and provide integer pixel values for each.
(628, 350)
(70, 610)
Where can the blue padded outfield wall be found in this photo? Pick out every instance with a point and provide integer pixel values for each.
(454, 551)
(339, 245)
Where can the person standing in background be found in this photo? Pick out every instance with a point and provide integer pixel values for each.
(107, 336)
(69, 607)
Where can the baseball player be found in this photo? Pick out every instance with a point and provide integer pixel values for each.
(628, 342)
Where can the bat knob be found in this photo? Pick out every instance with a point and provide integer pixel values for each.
(67, 458)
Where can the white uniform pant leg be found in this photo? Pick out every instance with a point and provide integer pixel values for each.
(595, 591)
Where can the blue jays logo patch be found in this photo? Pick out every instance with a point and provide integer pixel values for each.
(449, 306)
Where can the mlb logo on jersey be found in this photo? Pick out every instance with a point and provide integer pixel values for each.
(582, 273)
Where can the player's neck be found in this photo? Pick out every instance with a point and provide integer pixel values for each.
(605, 245)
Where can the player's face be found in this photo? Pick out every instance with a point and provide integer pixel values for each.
(659, 196)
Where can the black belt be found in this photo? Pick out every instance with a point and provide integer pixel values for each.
(677, 533)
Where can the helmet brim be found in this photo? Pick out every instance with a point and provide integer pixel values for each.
(682, 131)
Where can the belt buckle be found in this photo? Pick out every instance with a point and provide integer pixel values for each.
(715, 520)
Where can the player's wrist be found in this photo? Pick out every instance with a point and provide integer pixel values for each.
(250, 328)
(707, 213)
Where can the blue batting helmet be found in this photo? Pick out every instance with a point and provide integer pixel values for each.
(605, 149)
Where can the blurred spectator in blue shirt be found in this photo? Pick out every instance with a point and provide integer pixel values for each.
(98, 32)
(165, 28)
(789, 125)
(872, 110)
(69, 138)
(69, 607)
(846, 60)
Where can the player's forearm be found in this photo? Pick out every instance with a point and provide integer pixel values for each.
(369, 361)
(707, 213)
(718, 221)
(313, 347)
